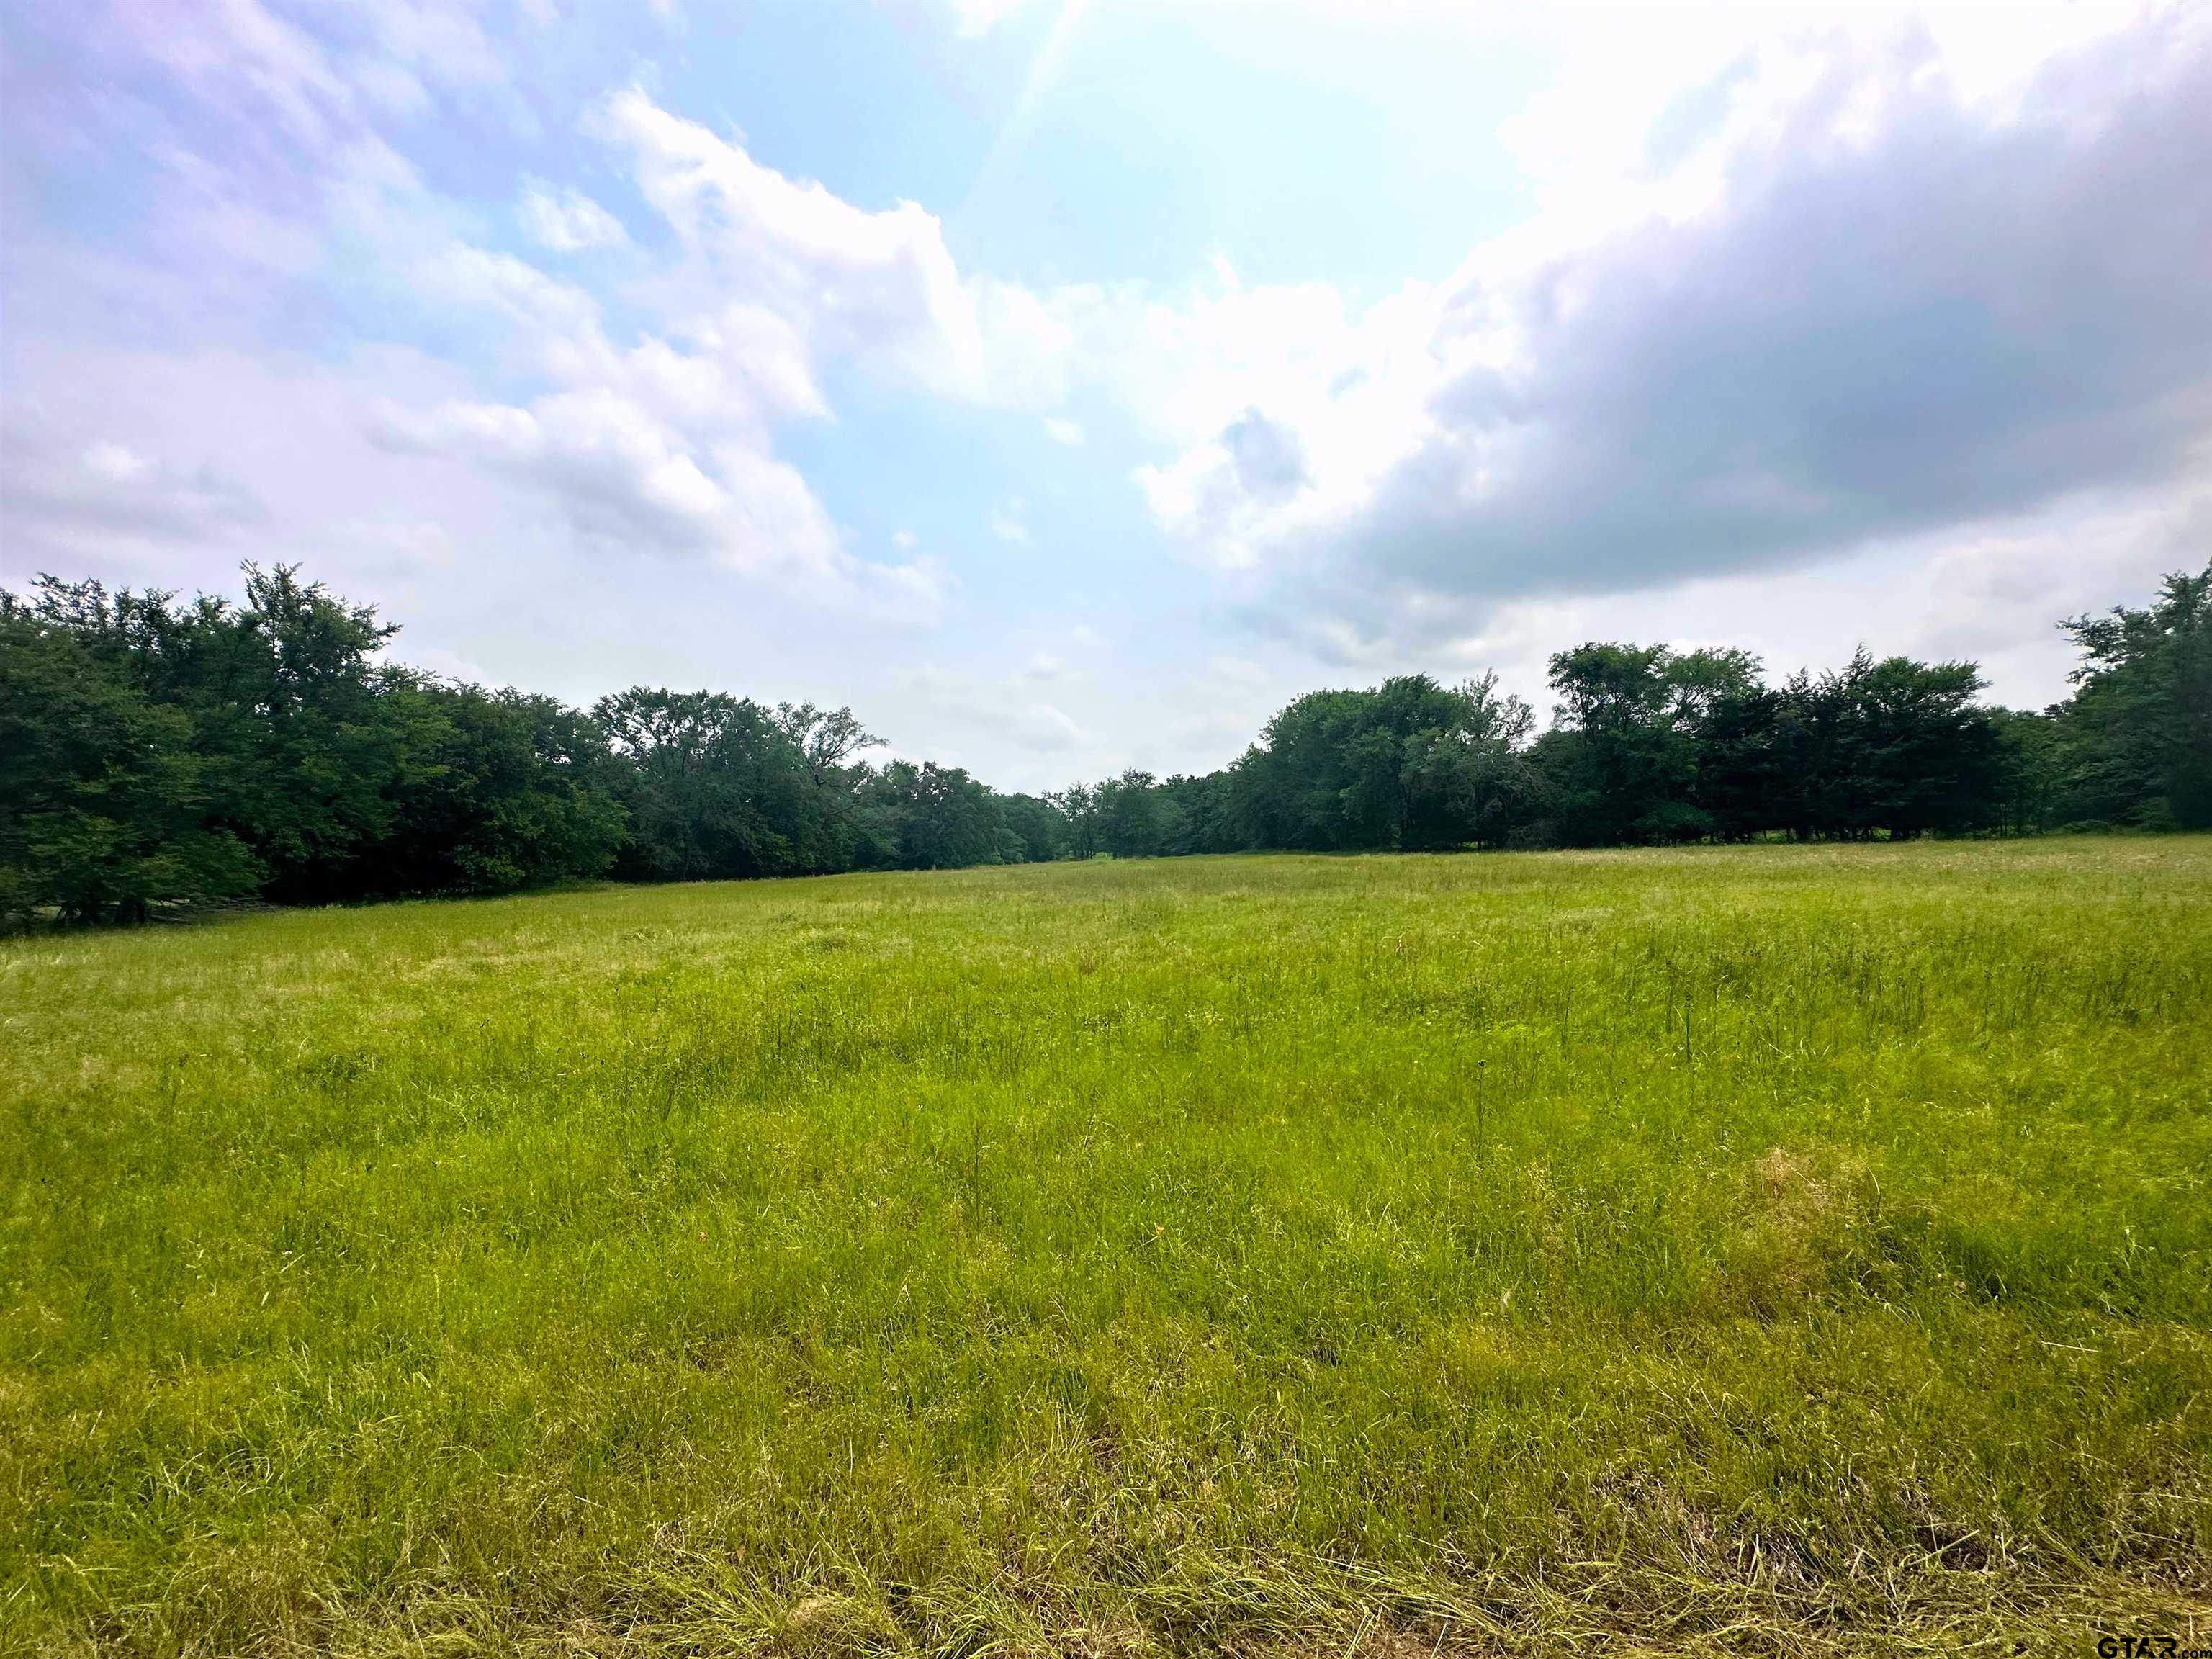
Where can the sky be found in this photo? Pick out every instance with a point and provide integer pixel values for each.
(1066, 386)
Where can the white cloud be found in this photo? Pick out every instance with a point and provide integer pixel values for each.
(567, 221)
(627, 480)
(1009, 523)
(1062, 430)
(879, 287)
(1783, 339)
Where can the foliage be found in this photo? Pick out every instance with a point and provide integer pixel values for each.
(1409, 764)
(1129, 816)
(159, 755)
(1895, 747)
(104, 795)
(2138, 737)
(1038, 830)
(937, 817)
(509, 791)
(1623, 752)
(154, 754)
(717, 788)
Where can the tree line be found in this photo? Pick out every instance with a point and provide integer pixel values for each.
(156, 753)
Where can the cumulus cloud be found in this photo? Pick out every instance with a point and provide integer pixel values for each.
(625, 481)
(1852, 305)
(657, 440)
(666, 444)
(880, 287)
(626, 477)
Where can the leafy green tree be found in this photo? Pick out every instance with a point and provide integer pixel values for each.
(1292, 784)
(518, 791)
(1622, 757)
(1078, 807)
(2029, 787)
(1203, 813)
(286, 692)
(1135, 817)
(937, 817)
(105, 798)
(837, 835)
(2136, 740)
(716, 790)
(1470, 780)
(1896, 747)
(297, 758)
(1408, 764)
(154, 752)
(1129, 816)
(826, 738)
(1750, 747)
(1038, 830)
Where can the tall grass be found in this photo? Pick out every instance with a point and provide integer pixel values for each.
(1759, 1251)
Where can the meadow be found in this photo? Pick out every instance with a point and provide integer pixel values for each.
(1772, 1249)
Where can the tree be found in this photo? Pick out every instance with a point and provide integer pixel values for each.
(1292, 786)
(1135, 817)
(105, 800)
(1910, 752)
(155, 753)
(937, 818)
(1202, 813)
(1470, 780)
(2136, 740)
(1038, 831)
(1750, 750)
(2029, 751)
(825, 739)
(1895, 747)
(1408, 764)
(288, 694)
(1622, 757)
(716, 789)
(518, 791)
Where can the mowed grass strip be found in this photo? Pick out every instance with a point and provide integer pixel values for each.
(1772, 1249)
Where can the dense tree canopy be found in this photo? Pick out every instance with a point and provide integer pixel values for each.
(1409, 764)
(156, 754)
(2138, 743)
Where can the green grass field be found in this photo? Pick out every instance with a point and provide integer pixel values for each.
(1778, 1250)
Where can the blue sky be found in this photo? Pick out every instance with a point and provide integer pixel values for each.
(1065, 386)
